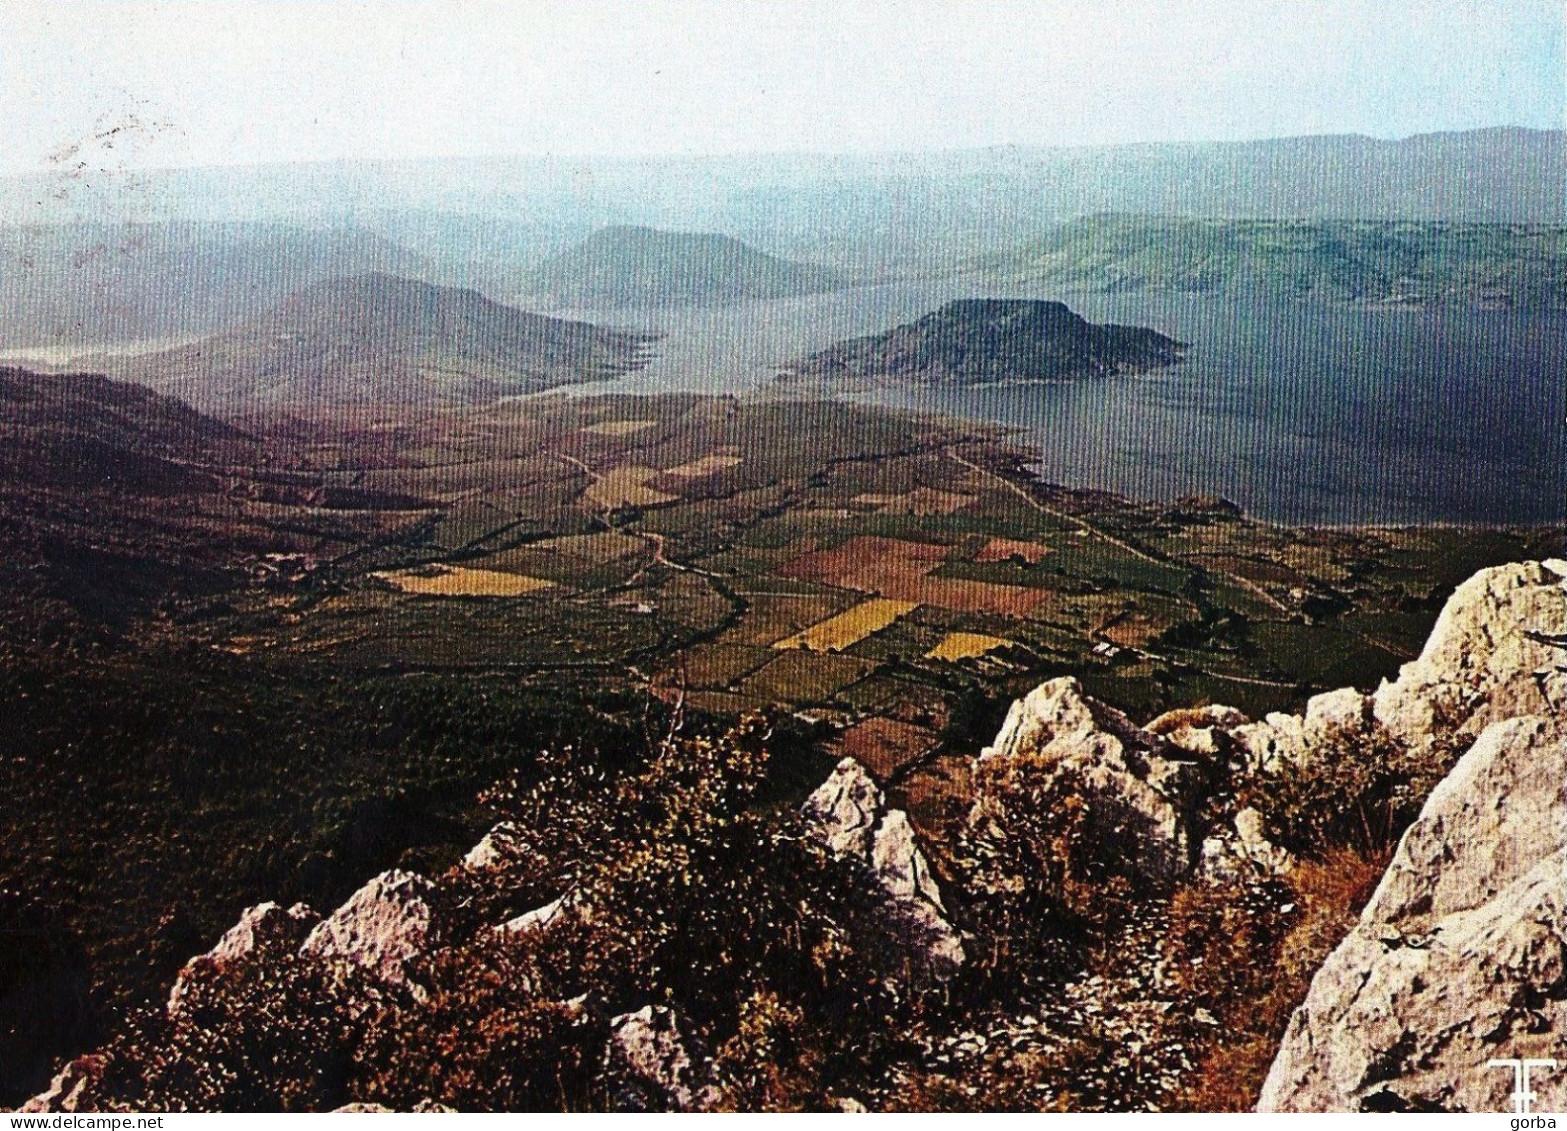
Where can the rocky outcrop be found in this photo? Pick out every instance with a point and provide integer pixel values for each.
(494, 850)
(1243, 852)
(265, 930)
(384, 925)
(651, 1066)
(72, 1085)
(1204, 732)
(1140, 790)
(1495, 653)
(849, 814)
(1461, 955)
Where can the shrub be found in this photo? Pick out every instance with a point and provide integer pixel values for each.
(1359, 791)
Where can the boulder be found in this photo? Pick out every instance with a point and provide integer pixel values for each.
(1203, 732)
(382, 926)
(538, 922)
(1243, 854)
(1281, 739)
(263, 930)
(494, 849)
(1496, 652)
(650, 1065)
(1459, 958)
(848, 813)
(1141, 792)
(71, 1088)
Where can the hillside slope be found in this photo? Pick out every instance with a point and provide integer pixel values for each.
(1409, 264)
(658, 939)
(79, 284)
(989, 341)
(376, 339)
(643, 267)
(89, 431)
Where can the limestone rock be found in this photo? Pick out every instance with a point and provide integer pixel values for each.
(71, 1087)
(1245, 854)
(382, 926)
(1459, 958)
(849, 814)
(651, 1066)
(1200, 731)
(262, 931)
(537, 922)
(1141, 792)
(1496, 652)
(1254, 845)
(1281, 739)
(361, 1109)
(494, 849)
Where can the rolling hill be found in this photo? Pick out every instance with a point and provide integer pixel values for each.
(992, 341)
(644, 268)
(72, 285)
(380, 340)
(1400, 263)
(84, 431)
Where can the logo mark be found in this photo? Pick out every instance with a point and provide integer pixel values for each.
(1522, 1095)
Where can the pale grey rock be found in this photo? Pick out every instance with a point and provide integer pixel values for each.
(263, 931)
(494, 848)
(71, 1086)
(1461, 955)
(1495, 653)
(651, 1066)
(384, 924)
(1203, 732)
(537, 922)
(1245, 853)
(361, 1109)
(1253, 844)
(848, 813)
(1280, 740)
(1141, 792)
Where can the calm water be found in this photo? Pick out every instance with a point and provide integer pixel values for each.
(1299, 413)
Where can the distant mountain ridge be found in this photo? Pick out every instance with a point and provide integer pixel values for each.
(792, 202)
(377, 339)
(1399, 263)
(89, 283)
(993, 341)
(633, 267)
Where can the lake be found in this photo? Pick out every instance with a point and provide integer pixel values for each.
(1304, 413)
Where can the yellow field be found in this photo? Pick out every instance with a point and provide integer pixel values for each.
(922, 501)
(838, 632)
(965, 646)
(627, 486)
(619, 427)
(460, 581)
(707, 465)
(605, 546)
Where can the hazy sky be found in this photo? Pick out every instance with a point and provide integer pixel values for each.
(114, 85)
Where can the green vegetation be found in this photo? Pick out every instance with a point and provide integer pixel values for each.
(991, 341)
(643, 268)
(380, 340)
(1387, 262)
(216, 701)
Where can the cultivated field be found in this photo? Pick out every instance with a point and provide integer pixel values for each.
(837, 633)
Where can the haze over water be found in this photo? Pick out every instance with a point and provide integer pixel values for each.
(1302, 413)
